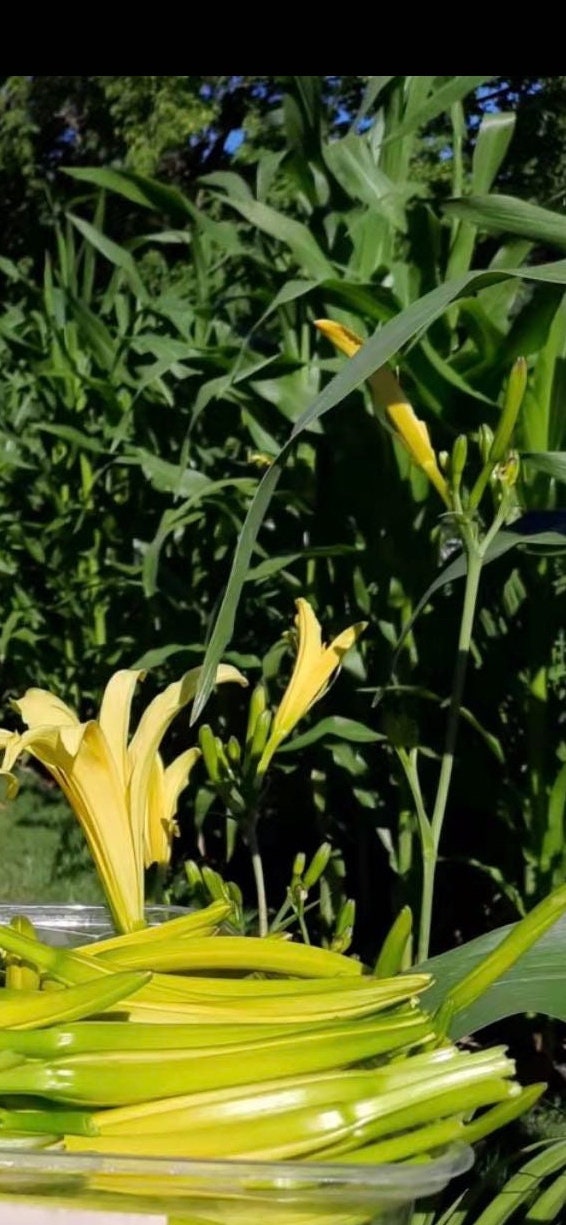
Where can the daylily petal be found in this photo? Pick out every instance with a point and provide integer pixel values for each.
(156, 828)
(314, 665)
(7, 737)
(10, 785)
(344, 339)
(44, 742)
(39, 707)
(79, 759)
(114, 716)
(121, 795)
(157, 717)
(93, 786)
(388, 395)
(165, 787)
(297, 697)
(415, 436)
(176, 777)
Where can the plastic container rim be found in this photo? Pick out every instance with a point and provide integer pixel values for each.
(395, 1180)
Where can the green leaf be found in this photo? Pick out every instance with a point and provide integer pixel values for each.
(441, 100)
(534, 984)
(419, 691)
(292, 233)
(179, 517)
(491, 146)
(84, 442)
(335, 725)
(507, 215)
(553, 463)
(373, 89)
(170, 478)
(373, 354)
(529, 530)
(494, 138)
(351, 162)
(159, 655)
(521, 1198)
(135, 187)
(273, 565)
(95, 333)
(116, 254)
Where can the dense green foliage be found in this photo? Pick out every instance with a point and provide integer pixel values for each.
(157, 344)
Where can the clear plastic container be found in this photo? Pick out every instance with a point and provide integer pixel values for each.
(204, 1192)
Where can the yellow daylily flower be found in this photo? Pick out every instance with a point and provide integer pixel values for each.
(314, 665)
(388, 395)
(123, 796)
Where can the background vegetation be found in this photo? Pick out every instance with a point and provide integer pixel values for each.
(168, 243)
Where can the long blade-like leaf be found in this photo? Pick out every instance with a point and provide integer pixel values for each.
(441, 100)
(378, 350)
(112, 251)
(552, 463)
(534, 984)
(292, 233)
(506, 215)
(135, 187)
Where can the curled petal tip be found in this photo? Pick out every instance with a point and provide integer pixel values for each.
(344, 339)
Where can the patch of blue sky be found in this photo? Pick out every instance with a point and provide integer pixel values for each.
(234, 139)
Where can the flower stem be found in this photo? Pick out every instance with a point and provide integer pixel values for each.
(430, 846)
(257, 865)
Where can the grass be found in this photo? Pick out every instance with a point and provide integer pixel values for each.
(45, 858)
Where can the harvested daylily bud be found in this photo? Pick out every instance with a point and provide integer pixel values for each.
(19, 975)
(391, 956)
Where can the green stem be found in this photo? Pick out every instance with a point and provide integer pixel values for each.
(430, 847)
(257, 865)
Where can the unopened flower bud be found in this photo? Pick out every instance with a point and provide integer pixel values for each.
(514, 396)
(458, 461)
(317, 865)
(485, 441)
(299, 864)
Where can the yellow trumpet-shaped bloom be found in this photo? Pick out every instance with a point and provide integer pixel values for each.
(388, 395)
(123, 796)
(314, 666)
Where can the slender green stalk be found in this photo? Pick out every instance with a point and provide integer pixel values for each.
(431, 844)
(257, 865)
